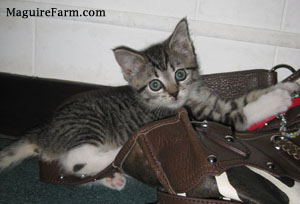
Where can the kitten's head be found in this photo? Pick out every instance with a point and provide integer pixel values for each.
(163, 74)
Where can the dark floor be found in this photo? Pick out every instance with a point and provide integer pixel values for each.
(22, 185)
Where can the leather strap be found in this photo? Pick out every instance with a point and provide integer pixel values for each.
(50, 172)
(166, 198)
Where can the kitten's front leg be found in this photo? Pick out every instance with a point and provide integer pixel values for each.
(204, 105)
(262, 104)
(244, 111)
(254, 95)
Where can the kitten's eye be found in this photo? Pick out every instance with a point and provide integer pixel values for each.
(180, 75)
(155, 85)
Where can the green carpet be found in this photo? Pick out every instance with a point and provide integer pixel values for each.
(22, 185)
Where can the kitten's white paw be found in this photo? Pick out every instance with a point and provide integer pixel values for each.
(267, 105)
(289, 86)
(117, 182)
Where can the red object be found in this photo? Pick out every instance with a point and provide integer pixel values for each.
(260, 125)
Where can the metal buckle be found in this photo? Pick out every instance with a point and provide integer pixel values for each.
(275, 139)
(203, 123)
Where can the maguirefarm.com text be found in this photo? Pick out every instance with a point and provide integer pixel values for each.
(52, 12)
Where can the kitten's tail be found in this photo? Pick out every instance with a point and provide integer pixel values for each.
(15, 153)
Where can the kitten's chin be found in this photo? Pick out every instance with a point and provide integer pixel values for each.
(171, 105)
(176, 104)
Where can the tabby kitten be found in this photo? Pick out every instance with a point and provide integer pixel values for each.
(87, 131)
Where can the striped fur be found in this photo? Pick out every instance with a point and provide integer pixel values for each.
(161, 78)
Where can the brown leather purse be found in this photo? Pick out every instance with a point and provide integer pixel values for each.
(177, 153)
(181, 153)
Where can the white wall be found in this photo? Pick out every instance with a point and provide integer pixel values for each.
(229, 35)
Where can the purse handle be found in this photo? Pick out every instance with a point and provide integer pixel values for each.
(286, 66)
(293, 77)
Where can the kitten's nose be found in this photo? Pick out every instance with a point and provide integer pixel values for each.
(174, 94)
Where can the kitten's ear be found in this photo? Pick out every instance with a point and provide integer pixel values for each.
(180, 41)
(129, 60)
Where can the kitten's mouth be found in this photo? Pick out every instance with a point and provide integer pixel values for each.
(177, 102)
(176, 99)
